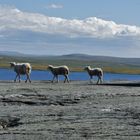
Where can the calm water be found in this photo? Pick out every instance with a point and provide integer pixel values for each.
(8, 74)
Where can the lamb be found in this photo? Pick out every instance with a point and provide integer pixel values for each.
(95, 72)
(59, 70)
(21, 69)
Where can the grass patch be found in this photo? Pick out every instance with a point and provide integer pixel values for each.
(41, 63)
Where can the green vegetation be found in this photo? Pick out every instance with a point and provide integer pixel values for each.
(41, 63)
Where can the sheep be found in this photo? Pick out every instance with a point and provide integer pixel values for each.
(21, 69)
(59, 70)
(95, 72)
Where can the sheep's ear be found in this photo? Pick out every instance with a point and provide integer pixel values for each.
(10, 63)
(49, 66)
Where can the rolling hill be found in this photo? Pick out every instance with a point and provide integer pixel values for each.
(75, 61)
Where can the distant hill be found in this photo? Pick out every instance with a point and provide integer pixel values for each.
(74, 61)
(9, 53)
(82, 57)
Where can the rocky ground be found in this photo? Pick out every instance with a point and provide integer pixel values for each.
(75, 111)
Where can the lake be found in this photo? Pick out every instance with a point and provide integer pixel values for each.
(9, 74)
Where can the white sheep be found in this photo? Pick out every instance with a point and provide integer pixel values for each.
(59, 70)
(95, 72)
(21, 69)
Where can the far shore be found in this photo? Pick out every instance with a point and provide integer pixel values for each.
(113, 71)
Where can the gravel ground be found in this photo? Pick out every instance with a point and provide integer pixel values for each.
(74, 111)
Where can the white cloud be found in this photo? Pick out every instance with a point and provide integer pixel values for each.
(55, 6)
(14, 19)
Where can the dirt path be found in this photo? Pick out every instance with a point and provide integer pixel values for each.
(78, 110)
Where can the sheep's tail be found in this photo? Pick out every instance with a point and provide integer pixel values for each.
(29, 68)
(67, 71)
(102, 74)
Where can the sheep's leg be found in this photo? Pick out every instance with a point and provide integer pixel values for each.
(53, 78)
(98, 80)
(101, 79)
(57, 78)
(16, 78)
(90, 79)
(66, 78)
(28, 78)
(19, 77)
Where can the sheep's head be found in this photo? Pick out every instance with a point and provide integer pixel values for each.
(50, 67)
(87, 68)
(12, 64)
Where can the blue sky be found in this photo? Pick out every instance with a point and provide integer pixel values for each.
(56, 27)
(120, 11)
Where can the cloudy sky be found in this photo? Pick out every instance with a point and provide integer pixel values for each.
(56, 27)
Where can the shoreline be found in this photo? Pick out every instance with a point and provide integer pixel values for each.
(72, 70)
(85, 82)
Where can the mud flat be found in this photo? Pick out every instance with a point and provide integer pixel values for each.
(78, 110)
